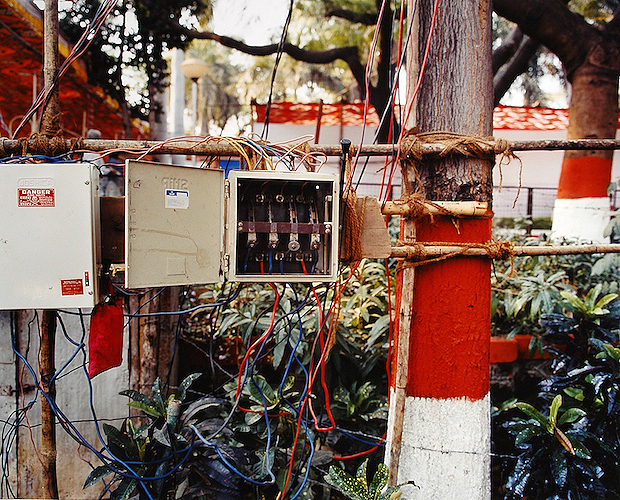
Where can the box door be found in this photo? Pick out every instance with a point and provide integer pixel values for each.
(174, 225)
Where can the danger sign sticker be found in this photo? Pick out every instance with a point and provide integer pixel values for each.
(44, 197)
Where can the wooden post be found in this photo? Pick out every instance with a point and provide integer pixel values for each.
(439, 429)
(50, 126)
(50, 123)
(48, 418)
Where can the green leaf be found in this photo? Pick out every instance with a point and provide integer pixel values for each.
(360, 475)
(157, 396)
(559, 468)
(125, 489)
(259, 388)
(378, 328)
(580, 449)
(253, 418)
(162, 436)
(98, 474)
(555, 407)
(571, 415)
(576, 394)
(289, 382)
(524, 435)
(120, 440)
(137, 396)
(379, 481)
(345, 483)
(148, 409)
(187, 381)
(532, 412)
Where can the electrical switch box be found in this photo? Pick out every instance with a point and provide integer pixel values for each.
(48, 236)
(283, 226)
(191, 225)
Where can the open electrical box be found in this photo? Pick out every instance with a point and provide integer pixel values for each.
(48, 235)
(191, 225)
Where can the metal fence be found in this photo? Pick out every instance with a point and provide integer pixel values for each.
(523, 202)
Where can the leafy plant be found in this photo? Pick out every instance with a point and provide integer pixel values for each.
(569, 336)
(357, 487)
(553, 461)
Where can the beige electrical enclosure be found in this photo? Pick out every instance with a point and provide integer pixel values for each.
(174, 225)
(48, 236)
(280, 226)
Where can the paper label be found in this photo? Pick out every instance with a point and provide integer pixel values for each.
(177, 198)
(72, 287)
(32, 197)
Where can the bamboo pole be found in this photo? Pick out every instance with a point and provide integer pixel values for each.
(13, 146)
(431, 251)
(455, 208)
(48, 418)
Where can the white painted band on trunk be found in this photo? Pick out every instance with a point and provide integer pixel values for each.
(580, 219)
(445, 449)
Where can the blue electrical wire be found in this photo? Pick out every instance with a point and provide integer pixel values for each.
(380, 441)
(185, 311)
(272, 478)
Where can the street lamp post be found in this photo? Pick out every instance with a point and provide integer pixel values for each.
(194, 69)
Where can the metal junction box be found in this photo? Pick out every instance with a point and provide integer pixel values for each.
(189, 225)
(48, 236)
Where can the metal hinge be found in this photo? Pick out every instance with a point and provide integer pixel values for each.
(226, 189)
(226, 263)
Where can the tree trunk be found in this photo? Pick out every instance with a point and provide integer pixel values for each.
(438, 434)
(581, 210)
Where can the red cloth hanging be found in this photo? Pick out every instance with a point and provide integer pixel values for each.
(105, 339)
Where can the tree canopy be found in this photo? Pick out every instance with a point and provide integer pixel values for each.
(579, 32)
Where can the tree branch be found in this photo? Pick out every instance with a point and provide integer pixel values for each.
(365, 18)
(513, 68)
(552, 24)
(349, 54)
(503, 53)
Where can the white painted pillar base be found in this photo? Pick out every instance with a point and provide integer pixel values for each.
(446, 449)
(580, 219)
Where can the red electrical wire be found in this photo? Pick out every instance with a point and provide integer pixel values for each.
(259, 340)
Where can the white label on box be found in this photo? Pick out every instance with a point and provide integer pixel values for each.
(177, 198)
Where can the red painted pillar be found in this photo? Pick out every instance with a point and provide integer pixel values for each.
(449, 347)
(439, 431)
(581, 210)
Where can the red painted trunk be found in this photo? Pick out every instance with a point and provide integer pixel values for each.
(449, 345)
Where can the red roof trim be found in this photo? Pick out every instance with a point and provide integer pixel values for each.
(504, 117)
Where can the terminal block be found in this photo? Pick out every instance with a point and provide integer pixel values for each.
(286, 226)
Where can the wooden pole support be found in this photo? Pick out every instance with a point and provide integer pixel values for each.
(431, 251)
(456, 208)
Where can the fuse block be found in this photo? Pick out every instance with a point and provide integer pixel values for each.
(285, 226)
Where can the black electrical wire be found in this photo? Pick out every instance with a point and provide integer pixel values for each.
(279, 53)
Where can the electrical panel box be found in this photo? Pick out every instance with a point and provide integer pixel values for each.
(48, 236)
(283, 226)
(190, 225)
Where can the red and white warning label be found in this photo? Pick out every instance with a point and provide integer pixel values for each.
(29, 197)
(72, 287)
